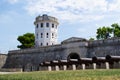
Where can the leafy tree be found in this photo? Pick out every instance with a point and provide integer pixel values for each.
(91, 39)
(104, 32)
(26, 40)
(116, 30)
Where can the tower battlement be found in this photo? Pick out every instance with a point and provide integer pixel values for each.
(45, 17)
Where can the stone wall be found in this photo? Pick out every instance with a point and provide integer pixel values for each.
(31, 58)
(101, 48)
(34, 56)
(2, 60)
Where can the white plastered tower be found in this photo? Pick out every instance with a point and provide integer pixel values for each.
(45, 30)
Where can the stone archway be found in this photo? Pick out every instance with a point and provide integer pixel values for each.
(73, 56)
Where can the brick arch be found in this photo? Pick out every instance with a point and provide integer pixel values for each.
(73, 56)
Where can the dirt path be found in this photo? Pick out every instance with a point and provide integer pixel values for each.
(8, 72)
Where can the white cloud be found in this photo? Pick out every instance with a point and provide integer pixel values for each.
(77, 10)
(72, 10)
(114, 6)
(12, 1)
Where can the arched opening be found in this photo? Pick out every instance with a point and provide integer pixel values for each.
(94, 59)
(108, 57)
(73, 56)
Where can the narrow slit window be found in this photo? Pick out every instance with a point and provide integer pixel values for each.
(41, 35)
(47, 24)
(37, 25)
(41, 44)
(52, 25)
(52, 35)
(47, 35)
(41, 25)
(56, 26)
(37, 35)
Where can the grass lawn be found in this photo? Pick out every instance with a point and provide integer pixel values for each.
(113, 74)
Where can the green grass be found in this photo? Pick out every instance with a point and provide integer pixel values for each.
(65, 75)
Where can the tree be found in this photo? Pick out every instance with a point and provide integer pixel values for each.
(104, 32)
(91, 39)
(116, 30)
(26, 40)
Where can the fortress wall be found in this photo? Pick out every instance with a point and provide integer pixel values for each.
(101, 48)
(33, 57)
(2, 59)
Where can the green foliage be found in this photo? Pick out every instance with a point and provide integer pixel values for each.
(26, 40)
(104, 32)
(113, 74)
(101, 32)
(91, 39)
(116, 29)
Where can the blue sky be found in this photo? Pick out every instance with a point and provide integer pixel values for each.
(78, 18)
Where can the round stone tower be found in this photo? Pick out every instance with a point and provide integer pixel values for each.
(45, 30)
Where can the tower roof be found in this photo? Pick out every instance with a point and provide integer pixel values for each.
(45, 17)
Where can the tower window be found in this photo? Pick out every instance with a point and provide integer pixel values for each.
(37, 25)
(47, 44)
(52, 35)
(47, 24)
(47, 35)
(56, 26)
(41, 35)
(41, 25)
(41, 44)
(56, 36)
(52, 25)
(37, 35)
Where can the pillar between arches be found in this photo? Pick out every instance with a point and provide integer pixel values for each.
(64, 67)
(74, 67)
(83, 66)
(94, 66)
(57, 68)
(49, 68)
(107, 65)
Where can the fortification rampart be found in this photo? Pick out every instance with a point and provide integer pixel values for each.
(36, 50)
(69, 49)
(101, 48)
